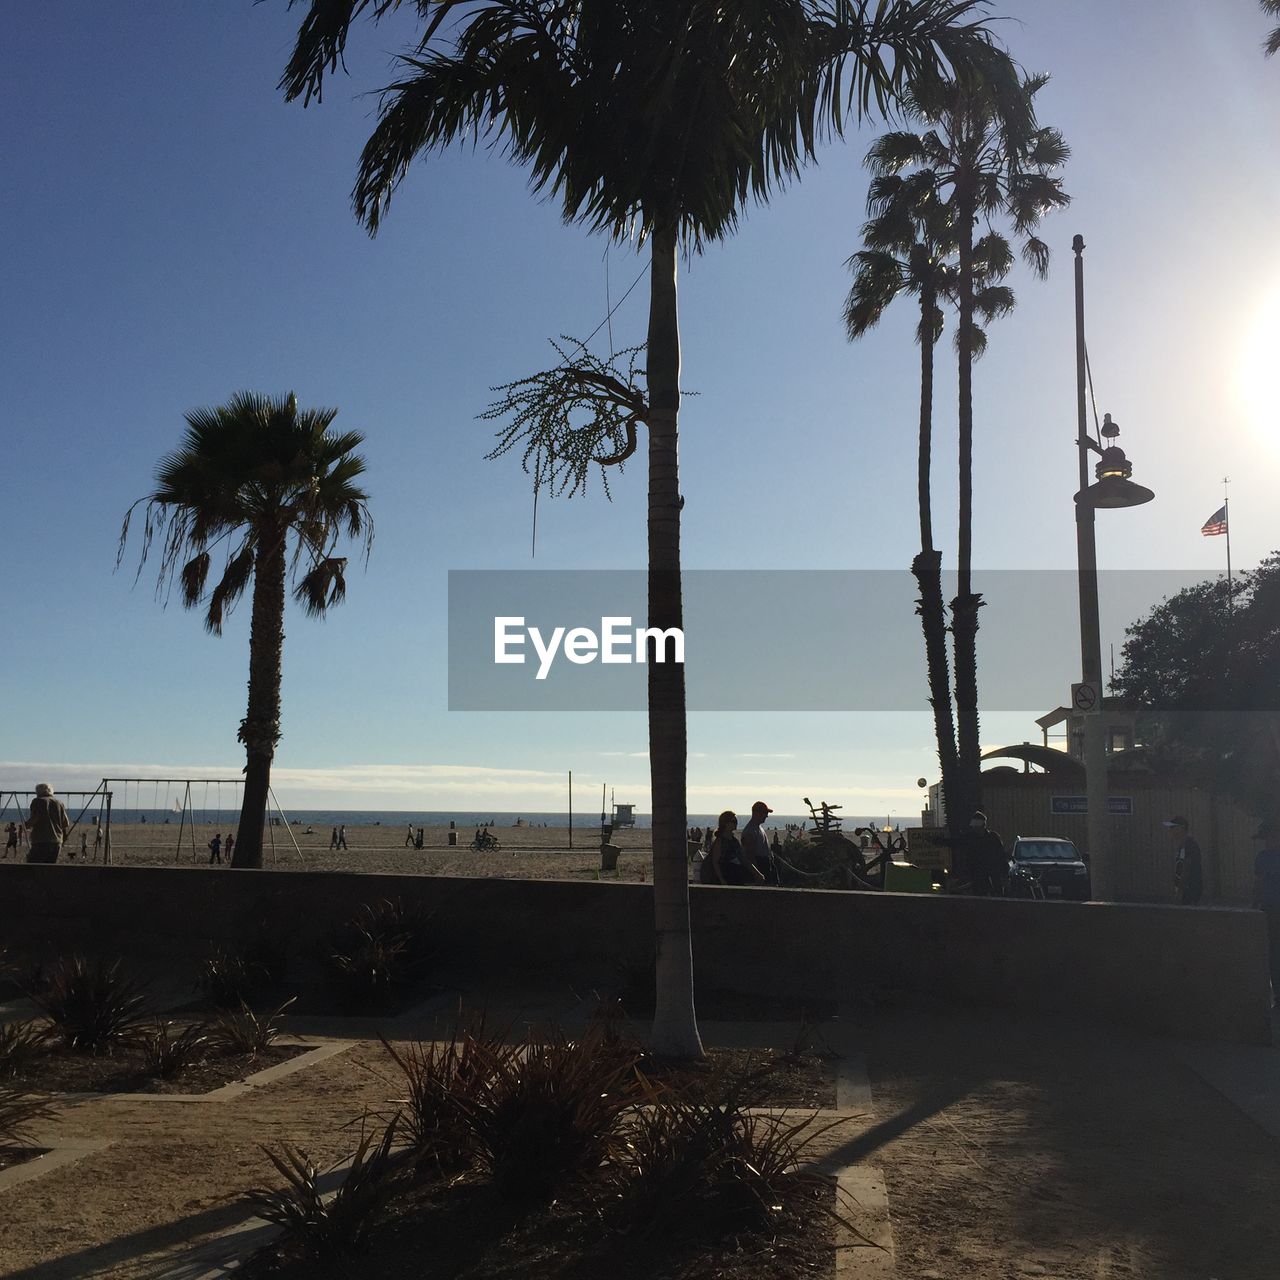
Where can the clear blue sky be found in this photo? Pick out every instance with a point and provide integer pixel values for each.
(174, 232)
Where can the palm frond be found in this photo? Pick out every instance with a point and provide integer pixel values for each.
(877, 280)
(323, 586)
(231, 586)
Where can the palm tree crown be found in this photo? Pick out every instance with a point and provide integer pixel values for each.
(247, 475)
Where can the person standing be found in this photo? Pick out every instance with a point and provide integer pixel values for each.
(97, 837)
(757, 846)
(409, 836)
(333, 838)
(11, 839)
(1266, 896)
(342, 836)
(982, 855)
(1188, 863)
(231, 845)
(215, 850)
(48, 824)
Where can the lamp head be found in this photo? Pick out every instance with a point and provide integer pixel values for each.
(1113, 489)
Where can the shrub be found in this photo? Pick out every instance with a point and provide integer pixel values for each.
(380, 950)
(710, 1167)
(243, 1031)
(20, 1044)
(18, 1109)
(270, 954)
(166, 1055)
(441, 1076)
(229, 979)
(92, 1005)
(327, 1230)
(540, 1117)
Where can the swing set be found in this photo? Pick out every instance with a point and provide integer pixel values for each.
(139, 801)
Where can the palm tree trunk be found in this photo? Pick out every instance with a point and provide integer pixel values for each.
(260, 729)
(675, 1023)
(964, 608)
(927, 568)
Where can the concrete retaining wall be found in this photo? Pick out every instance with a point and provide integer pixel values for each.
(1190, 972)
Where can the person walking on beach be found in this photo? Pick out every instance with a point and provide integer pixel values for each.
(1188, 863)
(231, 845)
(757, 847)
(48, 824)
(1266, 896)
(342, 836)
(215, 850)
(11, 839)
(333, 838)
(408, 837)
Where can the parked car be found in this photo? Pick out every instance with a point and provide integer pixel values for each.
(1047, 867)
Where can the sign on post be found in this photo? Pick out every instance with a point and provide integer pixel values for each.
(1086, 697)
(1117, 806)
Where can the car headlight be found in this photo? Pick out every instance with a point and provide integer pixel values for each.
(1082, 871)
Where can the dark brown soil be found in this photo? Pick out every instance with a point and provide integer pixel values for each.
(769, 1079)
(469, 1234)
(125, 1071)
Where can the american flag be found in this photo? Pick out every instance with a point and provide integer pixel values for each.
(1215, 524)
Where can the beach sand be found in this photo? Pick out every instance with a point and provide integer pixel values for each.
(537, 853)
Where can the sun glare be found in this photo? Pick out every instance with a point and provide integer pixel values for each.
(1258, 374)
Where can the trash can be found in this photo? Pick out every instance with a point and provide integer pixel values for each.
(609, 857)
(453, 839)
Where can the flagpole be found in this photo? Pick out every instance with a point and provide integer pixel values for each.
(1226, 519)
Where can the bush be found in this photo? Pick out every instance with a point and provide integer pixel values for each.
(327, 1230)
(242, 1031)
(229, 979)
(20, 1044)
(18, 1109)
(442, 1076)
(382, 949)
(540, 1117)
(710, 1167)
(166, 1055)
(91, 1005)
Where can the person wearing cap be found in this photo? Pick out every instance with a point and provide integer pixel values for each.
(1266, 894)
(757, 847)
(981, 853)
(48, 824)
(1188, 865)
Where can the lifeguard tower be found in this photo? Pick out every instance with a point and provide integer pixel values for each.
(624, 815)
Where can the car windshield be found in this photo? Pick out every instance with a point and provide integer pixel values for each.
(1045, 851)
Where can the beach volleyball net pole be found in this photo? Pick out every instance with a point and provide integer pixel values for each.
(189, 799)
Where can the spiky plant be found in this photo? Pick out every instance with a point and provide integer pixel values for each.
(92, 1005)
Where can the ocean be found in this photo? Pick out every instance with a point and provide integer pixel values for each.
(464, 819)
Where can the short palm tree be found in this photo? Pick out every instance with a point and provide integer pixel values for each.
(911, 246)
(655, 120)
(988, 159)
(251, 477)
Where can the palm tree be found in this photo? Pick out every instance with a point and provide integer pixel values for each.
(988, 158)
(250, 476)
(1272, 42)
(911, 246)
(658, 120)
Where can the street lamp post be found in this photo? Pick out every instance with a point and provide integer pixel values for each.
(1112, 489)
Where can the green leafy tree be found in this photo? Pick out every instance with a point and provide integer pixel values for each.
(910, 250)
(250, 478)
(654, 121)
(989, 160)
(1203, 668)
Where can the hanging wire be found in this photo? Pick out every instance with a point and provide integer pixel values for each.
(1088, 373)
(608, 312)
(614, 308)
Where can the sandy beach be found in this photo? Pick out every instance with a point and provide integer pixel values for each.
(539, 853)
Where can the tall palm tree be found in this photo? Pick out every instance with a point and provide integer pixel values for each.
(250, 477)
(911, 247)
(988, 159)
(658, 120)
